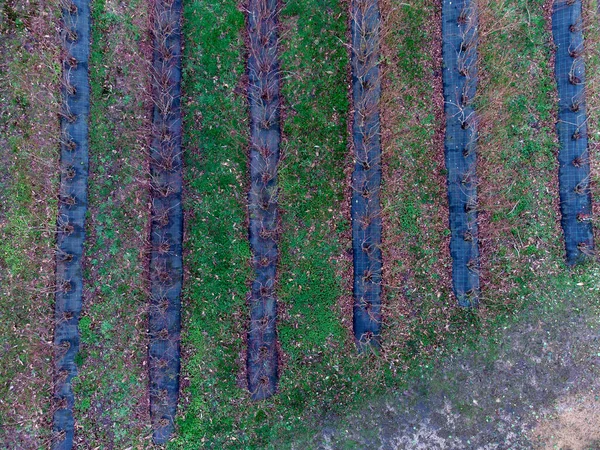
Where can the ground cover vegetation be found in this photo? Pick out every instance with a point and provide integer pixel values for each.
(591, 17)
(111, 390)
(324, 385)
(418, 304)
(29, 136)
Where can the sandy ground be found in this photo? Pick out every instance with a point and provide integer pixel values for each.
(536, 387)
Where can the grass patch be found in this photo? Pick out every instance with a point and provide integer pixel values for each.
(314, 63)
(111, 389)
(28, 210)
(418, 301)
(217, 252)
(520, 233)
(314, 237)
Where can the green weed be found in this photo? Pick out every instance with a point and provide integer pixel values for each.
(111, 386)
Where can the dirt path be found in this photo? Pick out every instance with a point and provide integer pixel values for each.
(533, 384)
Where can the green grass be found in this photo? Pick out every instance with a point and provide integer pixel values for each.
(414, 197)
(219, 414)
(28, 209)
(517, 154)
(592, 61)
(322, 379)
(315, 233)
(321, 376)
(217, 252)
(110, 392)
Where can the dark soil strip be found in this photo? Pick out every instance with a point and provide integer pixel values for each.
(166, 230)
(459, 52)
(572, 129)
(71, 213)
(366, 179)
(265, 137)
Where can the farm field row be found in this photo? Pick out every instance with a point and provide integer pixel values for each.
(323, 382)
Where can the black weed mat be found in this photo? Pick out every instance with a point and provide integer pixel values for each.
(265, 138)
(166, 269)
(459, 51)
(572, 129)
(71, 213)
(366, 178)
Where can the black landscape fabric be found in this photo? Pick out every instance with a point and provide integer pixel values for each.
(166, 267)
(71, 214)
(265, 138)
(366, 178)
(573, 156)
(459, 51)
